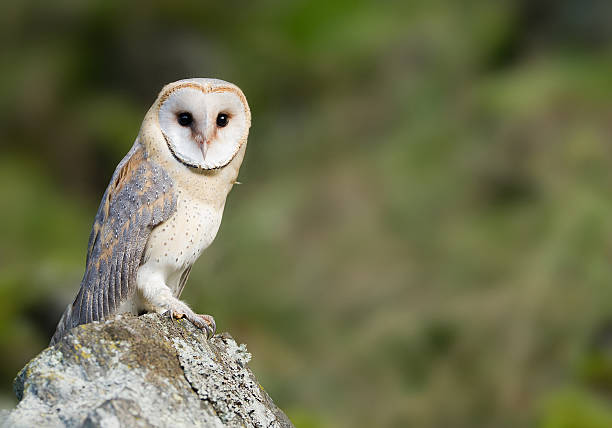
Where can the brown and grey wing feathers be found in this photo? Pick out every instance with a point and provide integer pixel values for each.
(139, 197)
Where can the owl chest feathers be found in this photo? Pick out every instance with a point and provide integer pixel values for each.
(177, 243)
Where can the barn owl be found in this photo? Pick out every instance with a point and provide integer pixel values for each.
(163, 205)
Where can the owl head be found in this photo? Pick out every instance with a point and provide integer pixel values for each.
(204, 122)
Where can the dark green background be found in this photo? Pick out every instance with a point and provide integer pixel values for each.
(423, 237)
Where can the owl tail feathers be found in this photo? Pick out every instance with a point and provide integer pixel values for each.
(63, 326)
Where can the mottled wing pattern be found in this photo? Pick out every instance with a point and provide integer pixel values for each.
(139, 197)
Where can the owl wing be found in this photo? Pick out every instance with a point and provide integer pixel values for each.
(183, 280)
(139, 197)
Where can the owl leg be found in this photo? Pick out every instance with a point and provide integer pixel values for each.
(158, 297)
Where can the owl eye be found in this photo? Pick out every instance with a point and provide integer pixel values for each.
(222, 120)
(185, 119)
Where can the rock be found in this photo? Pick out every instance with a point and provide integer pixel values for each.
(146, 371)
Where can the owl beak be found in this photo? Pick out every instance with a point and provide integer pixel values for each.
(202, 143)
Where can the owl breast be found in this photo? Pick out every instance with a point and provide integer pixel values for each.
(177, 243)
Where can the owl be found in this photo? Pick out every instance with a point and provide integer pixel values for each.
(164, 204)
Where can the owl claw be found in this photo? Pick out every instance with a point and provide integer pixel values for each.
(203, 322)
(211, 325)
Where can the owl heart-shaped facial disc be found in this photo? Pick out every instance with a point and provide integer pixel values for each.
(204, 125)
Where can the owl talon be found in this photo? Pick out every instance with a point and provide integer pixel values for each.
(204, 322)
(210, 324)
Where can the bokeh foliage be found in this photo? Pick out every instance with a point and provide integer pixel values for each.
(423, 236)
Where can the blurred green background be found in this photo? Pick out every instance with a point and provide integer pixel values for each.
(424, 233)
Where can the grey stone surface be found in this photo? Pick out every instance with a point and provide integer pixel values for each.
(146, 371)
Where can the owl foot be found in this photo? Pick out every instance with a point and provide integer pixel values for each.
(211, 325)
(204, 322)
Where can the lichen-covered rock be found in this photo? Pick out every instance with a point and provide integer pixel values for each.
(146, 371)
